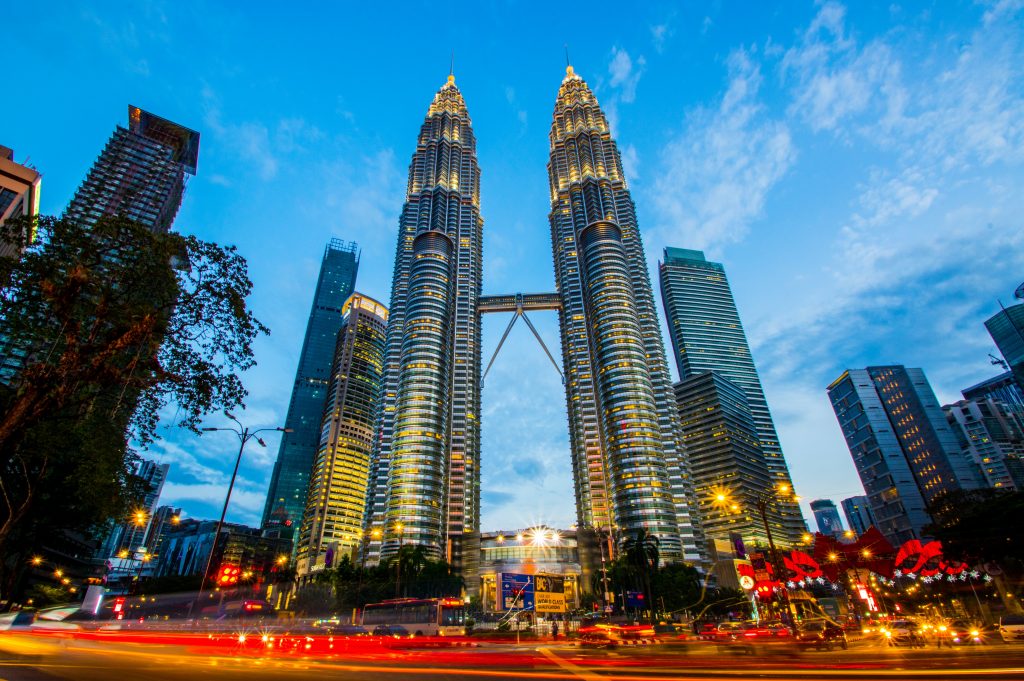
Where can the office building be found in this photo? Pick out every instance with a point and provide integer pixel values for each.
(425, 473)
(729, 469)
(289, 482)
(19, 193)
(629, 465)
(826, 515)
(858, 514)
(141, 173)
(904, 450)
(132, 535)
(707, 335)
(991, 434)
(1002, 388)
(186, 548)
(332, 525)
(1007, 330)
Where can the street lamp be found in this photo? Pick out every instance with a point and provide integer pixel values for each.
(763, 501)
(244, 435)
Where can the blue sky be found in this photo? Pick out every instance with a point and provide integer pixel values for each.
(856, 167)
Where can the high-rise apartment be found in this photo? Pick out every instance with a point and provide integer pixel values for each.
(904, 450)
(729, 470)
(826, 516)
(140, 174)
(858, 514)
(133, 533)
(707, 335)
(629, 464)
(425, 471)
(991, 434)
(289, 482)
(332, 525)
(1007, 330)
(19, 193)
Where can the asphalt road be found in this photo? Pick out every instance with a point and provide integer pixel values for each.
(34, 657)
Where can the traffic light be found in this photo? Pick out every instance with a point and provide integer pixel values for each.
(228, 574)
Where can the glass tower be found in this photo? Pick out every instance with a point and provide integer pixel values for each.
(332, 525)
(904, 450)
(286, 498)
(1007, 330)
(628, 463)
(729, 470)
(826, 516)
(424, 473)
(858, 514)
(706, 334)
(140, 174)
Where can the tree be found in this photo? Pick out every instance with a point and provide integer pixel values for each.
(980, 526)
(642, 552)
(107, 325)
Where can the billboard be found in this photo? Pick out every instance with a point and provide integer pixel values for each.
(515, 592)
(549, 593)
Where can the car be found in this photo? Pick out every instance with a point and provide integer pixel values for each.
(903, 633)
(1011, 628)
(964, 633)
(722, 632)
(16, 620)
(391, 630)
(821, 634)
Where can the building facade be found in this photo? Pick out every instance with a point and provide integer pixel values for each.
(904, 450)
(707, 335)
(186, 548)
(289, 482)
(991, 434)
(858, 514)
(425, 471)
(19, 194)
(826, 516)
(133, 534)
(332, 525)
(140, 174)
(629, 465)
(1002, 388)
(534, 550)
(729, 469)
(1007, 330)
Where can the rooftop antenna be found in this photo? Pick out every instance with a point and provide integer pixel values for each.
(451, 69)
(567, 64)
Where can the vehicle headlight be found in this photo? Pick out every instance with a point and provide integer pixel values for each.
(974, 632)
(888, 634)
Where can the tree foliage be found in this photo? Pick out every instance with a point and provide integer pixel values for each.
(980, 526)
(105, 326)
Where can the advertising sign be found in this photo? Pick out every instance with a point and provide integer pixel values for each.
(549, 593)
(515, 592)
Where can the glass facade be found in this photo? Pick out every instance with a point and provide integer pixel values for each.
(1007, 330)
(707, 335)
(629, 468)
(424, 484)
(332, 525)
(826, 516)
(729, 470)
(289, 482)
(904, 450)
(858, 514)
(991, 434)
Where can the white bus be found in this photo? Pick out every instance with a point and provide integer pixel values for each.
(416, 617)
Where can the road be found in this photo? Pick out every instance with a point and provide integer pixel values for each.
(63, 656)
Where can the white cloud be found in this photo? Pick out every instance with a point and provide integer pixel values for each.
(660, 34)
(715, 175)
(625, 75)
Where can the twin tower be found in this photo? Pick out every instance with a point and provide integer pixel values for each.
(629, 468)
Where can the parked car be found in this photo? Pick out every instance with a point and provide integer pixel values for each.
(1011, 628)
(821, 634)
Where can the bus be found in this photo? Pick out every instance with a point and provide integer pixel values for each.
(418, 616)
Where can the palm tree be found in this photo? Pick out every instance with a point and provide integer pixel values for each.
(642, 552)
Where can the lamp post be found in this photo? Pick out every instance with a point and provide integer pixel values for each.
(763, 501)
(244, 435)
(400, 529)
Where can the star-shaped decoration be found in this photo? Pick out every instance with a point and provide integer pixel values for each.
(963, 576)
(835, 587)
(950, 578)
(975, 574)
(897, 573)
(820, 580)
(791, 584)
(988, 578)
(911, 575)
(926, 580)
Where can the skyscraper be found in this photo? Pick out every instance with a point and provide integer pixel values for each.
(628, 463)
(729, 470)
(425, 476)
(858, 514)
(826, 516)
(332, 525)
(19, 192)
(286, 498)
(140, 174)
(133, 533)
(991, 434)
(1007, 330)
(1002, 388)
(707, 335)
(904, 450)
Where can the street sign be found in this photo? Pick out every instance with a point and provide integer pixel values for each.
(635, 599)
(549, 593)
(516, 592)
